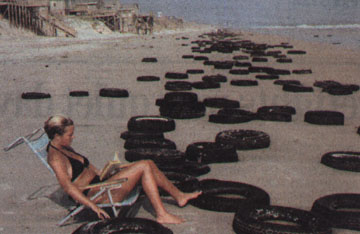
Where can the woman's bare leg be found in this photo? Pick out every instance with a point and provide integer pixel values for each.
(143, 171)
(163, 182)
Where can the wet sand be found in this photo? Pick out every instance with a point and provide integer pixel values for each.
(289, 170)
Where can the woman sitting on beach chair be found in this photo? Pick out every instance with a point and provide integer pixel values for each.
(74, 171)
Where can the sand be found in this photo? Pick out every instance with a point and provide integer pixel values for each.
(289, 170)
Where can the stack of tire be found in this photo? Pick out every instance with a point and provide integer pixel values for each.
(145, 140)
(148, 132)
(181, 105)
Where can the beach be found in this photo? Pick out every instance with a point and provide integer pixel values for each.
(289, 170)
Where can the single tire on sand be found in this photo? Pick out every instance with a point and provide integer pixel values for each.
(213, 191)
(324, 117)
(244, 139)
(257, 220)
(333, 208)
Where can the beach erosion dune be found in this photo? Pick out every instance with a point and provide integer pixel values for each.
(289, 170)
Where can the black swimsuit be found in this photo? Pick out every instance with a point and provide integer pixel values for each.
(77, 166)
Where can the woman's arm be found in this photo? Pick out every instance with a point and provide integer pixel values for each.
(58, 164)
(93, 168)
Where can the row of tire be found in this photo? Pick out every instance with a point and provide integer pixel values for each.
(185, 105)
(104, 92)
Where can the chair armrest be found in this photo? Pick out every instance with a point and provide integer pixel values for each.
(106, 184)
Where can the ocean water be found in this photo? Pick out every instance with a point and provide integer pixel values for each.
(270, 16)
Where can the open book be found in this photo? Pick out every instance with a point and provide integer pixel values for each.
(111, 168)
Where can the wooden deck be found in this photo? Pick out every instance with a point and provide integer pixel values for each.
(27, 3)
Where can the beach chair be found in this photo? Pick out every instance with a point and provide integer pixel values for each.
(38, 141)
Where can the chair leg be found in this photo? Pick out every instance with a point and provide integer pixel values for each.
(80, 208)
(112, 203)
(73, 213)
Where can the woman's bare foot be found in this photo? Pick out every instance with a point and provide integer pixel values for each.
(169, 218)
(185, 197)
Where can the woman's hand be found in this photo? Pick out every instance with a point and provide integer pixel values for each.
(101, 213)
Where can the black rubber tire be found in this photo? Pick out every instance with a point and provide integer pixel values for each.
(157, 155)
(324, 117)
(205, 85)
(78, 93)
(183, 110)
(195, 71)
(338, 90)
(342, 160)
(209, 63)
(176, 75)
(232, 116)
(328, 207)
(284, 82)
(278, 72)
(195, 48)
(302, 71)
(253, 220)
(241, 57)
(284, 60)
(123, 225)
(141, 135)
(178, 86)
(201, 58)
(238, 112)
(149, 60)
(215, 78)
(244, 139)
(242, 64)
(148, 78)
(135, 143)
(212, 199)
(177, 98)
(296, 52)
(113, 93)
(239, 72)
(190, 56)
(259, 60)
(277, 109)
(35, 95)
(150, 124)
(228, 119)
(223, 64)
(244, 82)
(187, 167)
(211, 152)
(185, 183)
(326, 83)
(297, 88)
(267, 77)
(221, 103)
(180, 97)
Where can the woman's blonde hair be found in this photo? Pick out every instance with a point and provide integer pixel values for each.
(56, 125)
